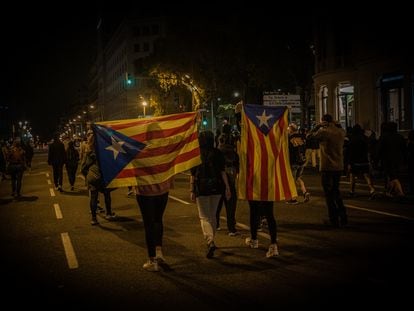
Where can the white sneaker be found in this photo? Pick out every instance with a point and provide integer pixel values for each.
(151, 265)
(252, 243)
(111, 216)
(159, 257)
(273, 251)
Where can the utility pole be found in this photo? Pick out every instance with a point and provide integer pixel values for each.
(213, 120)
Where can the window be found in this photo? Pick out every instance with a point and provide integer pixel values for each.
(323, 100)
(345, 105)
(146, 47)
(395, 107)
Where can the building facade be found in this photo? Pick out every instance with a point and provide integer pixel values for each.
(364, 71)
(119, 66)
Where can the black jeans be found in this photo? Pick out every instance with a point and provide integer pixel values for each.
(16, 173)
(58, 174)
(93, 203)
(336, 207)
(71, 169)
(230, 206)
(152, 211)
(262, 208)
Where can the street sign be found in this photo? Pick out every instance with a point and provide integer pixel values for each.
(282, 100)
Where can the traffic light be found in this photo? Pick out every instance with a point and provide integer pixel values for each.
(129, 80)
(205, 121)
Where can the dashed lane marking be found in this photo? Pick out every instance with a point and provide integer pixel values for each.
(69, 251)
(52, 192)
(179, 200)
(58, 211)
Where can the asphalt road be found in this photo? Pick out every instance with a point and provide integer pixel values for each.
(51, 257)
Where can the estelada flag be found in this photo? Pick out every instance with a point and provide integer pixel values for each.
(265, 173)
(146, 151)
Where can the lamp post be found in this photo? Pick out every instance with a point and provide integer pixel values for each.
(144, 105)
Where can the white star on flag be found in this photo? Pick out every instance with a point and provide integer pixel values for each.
(116, 147)
(263, 118)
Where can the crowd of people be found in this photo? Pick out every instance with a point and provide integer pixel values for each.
(334, 151)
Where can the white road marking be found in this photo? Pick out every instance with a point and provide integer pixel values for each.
(179, 200)
(49, 182)
(47, 174)
(58, 211)
(243, 226)
(52, 192)
(69, 251)
(378, 212)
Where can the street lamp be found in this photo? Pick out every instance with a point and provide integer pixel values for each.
(144, 105)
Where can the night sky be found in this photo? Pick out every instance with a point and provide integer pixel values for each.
(47, 52)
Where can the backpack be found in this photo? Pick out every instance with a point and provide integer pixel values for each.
(208, 178)
(91, 171)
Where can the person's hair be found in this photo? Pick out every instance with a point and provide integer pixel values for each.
(206, 139)
(327, 118)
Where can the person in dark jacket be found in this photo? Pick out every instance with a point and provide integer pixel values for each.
(358, 159)
(93, 175)
(57, 158)
(391, 154)
(16, 159)
(72, 162)
(208, 181)
(231, 165)
(331, 141)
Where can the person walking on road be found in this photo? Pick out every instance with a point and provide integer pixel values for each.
(331, 141)
(94, 179)
(208, 181)
(297, 159)
(16, 159)
(72, 162)
(152, 201)
(264, 209)
(57, 158)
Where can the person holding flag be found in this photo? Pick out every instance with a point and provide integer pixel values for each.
(265, 175)
(93, 176)
(148, 153)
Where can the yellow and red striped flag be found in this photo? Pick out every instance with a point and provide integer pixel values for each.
(146, 151)
(265, 173)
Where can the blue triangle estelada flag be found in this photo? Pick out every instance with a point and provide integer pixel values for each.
(114, 151)
(264, 117)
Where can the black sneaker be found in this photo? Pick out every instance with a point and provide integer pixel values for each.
(210, 250)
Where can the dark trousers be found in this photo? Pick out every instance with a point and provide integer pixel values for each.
(57, 174)
(262, 208)
(71, 174)
(152, 211)
(93, 203)
(230, 206)
(336, 207)
(16, 174)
